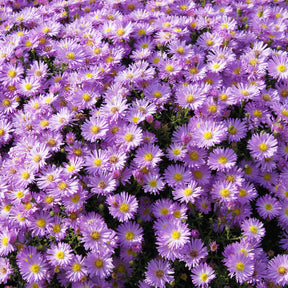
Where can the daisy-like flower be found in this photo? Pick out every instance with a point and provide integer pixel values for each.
(253, 229)
(175, 234)
(153, 183)
(222, 159)
(99, 264)
(7, 239)
(5, 270)
(193, 253)
(94, 129)
(191, 96)
(209, 133)
(5, 130)
(176, 152)
(130, 137)
(76, 270)
(240, 266)
(32, 265)
(122, 206)
(188, 192)
(102, 183)
(176, 175)
(29, 86)
(278, 66)
(59, 255)
(158, 93)
(262, 146)
(130, 233)
(277, 270)
(236, 129)
(268, 207)
(148, 156)
(202, 275)
(40, 222)
(224, 192)
(159, 272)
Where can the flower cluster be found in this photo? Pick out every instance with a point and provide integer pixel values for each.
(143, 142)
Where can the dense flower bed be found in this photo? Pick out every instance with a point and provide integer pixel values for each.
(144, 143)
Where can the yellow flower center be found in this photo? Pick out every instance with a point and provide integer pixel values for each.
(267, 177)
(35, 268)
(37, 158)
(169, 68)
(223, 97)
(222, 159)
(193, 156)
(124, 207)
(198, 174)
(19, 194)
(207, 135)
(209, 42)
(164, 211)
(253, 229)
(75, 198)
(190, 98)
(281, 68)
(120, 32)
(187, 191)
(153, 183)
(285, 112)
(268, 206)
(28, 86)
(25, 175)
(157, 94)
(95, 129)
(263, 147)
(128, 137)
(56, 228)
(98, 263)
(76, 267)
(242, 192)
(176, 152)
(49, 199)
(129, 235)
(95, 235)
(97, 162)
(12, 73)
(148, 157)
(282, 270)
(70, 55)
(178, 176)
(176, 235)
(203, 277)
(5, 241)
(60, 255)
(240, 266)
(225, 193)
(41, 223)
(62, 185)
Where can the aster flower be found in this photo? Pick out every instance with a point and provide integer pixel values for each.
(99, 264)
(240, 266)
(222, 159)
(32, 265)
(122, 206)
(278, 66)
(153, 183)
(158, 273)
(130, 137)
(187, 193)
(253, 229)
(268, 207)
(176, 175)
(5, 270)
(202, 275)
(236, 129)
(148, 156)
(175, 234)
(76, 270)
(59, 255)
(262, 146)
(209, 133)
(193, 253)
(278, 269)
(158, 93)
(130, 233)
